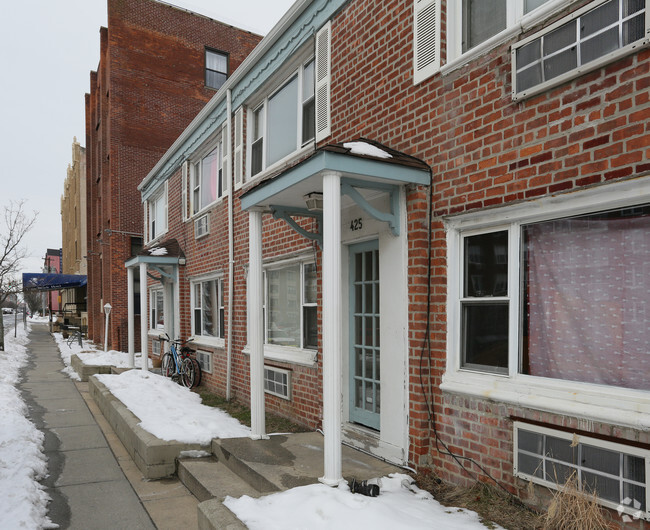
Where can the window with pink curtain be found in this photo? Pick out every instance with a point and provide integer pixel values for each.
(586, 299)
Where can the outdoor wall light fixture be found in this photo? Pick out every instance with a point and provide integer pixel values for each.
(182, 261)
(107, 311)
(314, 201)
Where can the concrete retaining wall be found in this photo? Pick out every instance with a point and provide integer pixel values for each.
(154, 457)
(86, 370)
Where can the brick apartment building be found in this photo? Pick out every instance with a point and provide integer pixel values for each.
(439, 211)
(74, 230)
(158, 66)
(52, 264)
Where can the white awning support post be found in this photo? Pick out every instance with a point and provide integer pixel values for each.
(144, 311)
(256, 325)
(131, 315)
(332, 357)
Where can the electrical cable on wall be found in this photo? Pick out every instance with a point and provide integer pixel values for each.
(426, 347)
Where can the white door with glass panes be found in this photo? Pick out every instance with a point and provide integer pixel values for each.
(365, 389)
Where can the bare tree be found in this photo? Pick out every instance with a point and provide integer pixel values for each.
(34, 300)
(12, 251)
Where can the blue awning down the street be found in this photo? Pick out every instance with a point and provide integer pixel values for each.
(52, 282)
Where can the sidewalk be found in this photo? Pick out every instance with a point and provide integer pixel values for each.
(88, 467)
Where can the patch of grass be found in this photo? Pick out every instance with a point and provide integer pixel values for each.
(241, 412)
(493, 505)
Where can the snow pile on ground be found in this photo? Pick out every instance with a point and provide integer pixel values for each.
(170, 411)
(38, 318)
(22, 463)
(400, 504)
(91, 356)
(111, 358)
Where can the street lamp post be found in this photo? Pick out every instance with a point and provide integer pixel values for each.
(107, 310)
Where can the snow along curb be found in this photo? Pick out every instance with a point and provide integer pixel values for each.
(154, 457)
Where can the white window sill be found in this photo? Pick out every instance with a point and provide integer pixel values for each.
(614, 405)
(481, 49)
(207, 342)
(208, 207)
(156, 239)
(526, 22)
(286, 354)
(280, 164)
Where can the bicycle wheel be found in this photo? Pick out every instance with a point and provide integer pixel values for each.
(188, 373)
(197, 368)
(168, 367)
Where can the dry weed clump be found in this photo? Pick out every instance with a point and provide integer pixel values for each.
(572, 509)
(492, 504)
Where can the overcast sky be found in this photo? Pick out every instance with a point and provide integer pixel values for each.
(47, 50)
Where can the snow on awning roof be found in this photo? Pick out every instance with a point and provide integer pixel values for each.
(361, 159)
(167, 252)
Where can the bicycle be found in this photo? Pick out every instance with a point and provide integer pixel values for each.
(180, 365)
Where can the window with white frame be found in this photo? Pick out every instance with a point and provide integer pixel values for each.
(277, 382)
(600, 32)
(470, 24)
(204, 358)
(564, 298)
(157, 215)
(614, 472)
(157, 309)
(474, 22)
(208, 308)
(284, 121)
(290, 309)
(208, 181)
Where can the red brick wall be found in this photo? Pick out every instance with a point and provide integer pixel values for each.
(484, 150)
(209, 254)
(149, 86)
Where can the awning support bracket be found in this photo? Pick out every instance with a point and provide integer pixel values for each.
(284, 213)
(161, 272)
(348, 187)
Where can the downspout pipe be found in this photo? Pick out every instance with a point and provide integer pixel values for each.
(231, 244)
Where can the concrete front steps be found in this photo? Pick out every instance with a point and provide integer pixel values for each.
(241, 466)
(235, 467)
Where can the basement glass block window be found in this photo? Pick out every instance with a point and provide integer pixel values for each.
(277, 382)
(615, 473)
(204, 358)
(599, 33)
(216, 68)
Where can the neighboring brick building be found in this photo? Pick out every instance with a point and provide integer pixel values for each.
(74, 231)
(52, 264)
(491, 245)
(158, 66)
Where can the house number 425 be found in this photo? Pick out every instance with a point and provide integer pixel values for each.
(356, 224)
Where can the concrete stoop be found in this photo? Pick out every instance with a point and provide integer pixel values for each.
(238, 466)
(241, 466)
(210, 482)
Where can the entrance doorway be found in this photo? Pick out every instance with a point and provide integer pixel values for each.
(365, 390)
